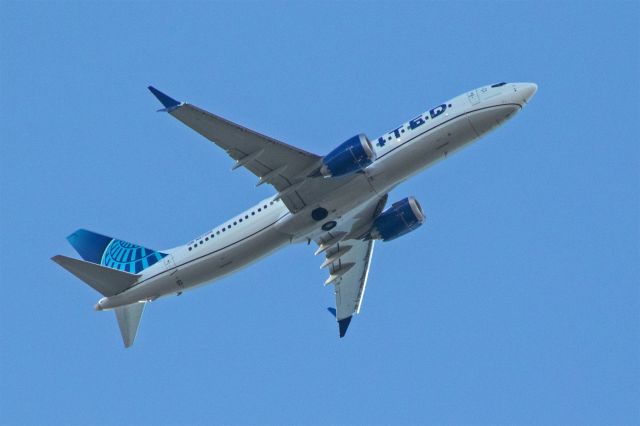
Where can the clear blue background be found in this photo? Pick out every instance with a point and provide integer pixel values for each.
(516, 303)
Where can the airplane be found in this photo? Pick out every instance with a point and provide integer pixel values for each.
(337, 200)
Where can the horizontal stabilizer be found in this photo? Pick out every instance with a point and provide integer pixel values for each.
(128, 320)
(105, 280)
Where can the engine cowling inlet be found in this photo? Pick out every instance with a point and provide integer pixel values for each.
(401, 218)
(349, 157)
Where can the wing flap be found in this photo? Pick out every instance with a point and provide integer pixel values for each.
(348, 258)
(285, 165)
(350, 287)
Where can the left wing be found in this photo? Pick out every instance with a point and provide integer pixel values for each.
(348, 257)
(274, 162)
(348, 273)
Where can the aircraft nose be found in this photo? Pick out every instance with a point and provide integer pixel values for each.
(527, 90)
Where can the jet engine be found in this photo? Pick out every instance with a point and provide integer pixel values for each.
(401, 218)
(349, 157)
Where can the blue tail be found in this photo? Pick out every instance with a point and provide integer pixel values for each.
(116, 254)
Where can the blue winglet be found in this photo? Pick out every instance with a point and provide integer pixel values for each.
(343, 324)
(166, 100)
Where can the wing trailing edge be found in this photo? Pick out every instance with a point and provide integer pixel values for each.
(283, 166)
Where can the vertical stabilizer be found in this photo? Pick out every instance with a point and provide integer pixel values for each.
(113, 253)
(128, 320)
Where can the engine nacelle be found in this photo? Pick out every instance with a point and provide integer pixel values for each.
(401, 218)
(349, 157)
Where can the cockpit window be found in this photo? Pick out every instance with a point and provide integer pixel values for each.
(498, 84)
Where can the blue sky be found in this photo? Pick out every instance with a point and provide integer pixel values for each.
(516, 303)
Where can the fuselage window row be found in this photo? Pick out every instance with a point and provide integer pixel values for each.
(229, 226)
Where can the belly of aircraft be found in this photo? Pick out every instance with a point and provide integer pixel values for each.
(232, 258)
(413, 156)
(485, 120)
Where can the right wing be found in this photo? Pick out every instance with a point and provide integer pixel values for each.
(274, 162)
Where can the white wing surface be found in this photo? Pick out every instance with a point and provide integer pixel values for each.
(348, 258)
(274, 162)
(349, 275)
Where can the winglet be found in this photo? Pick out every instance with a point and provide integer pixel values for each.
(343, 324)
(166, 100)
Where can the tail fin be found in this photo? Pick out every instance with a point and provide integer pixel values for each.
(113, 253)
(105, 280)
(128, 320)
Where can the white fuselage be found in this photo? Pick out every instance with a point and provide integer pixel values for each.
(269, 225)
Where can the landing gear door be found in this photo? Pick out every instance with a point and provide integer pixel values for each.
(473, 97)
